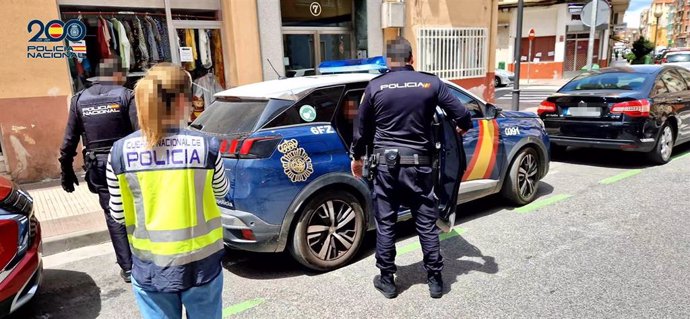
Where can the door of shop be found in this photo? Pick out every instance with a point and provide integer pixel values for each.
(576, 52)
(305, 48)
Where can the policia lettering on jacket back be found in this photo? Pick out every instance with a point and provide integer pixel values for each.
(99, 116)
(396, 116)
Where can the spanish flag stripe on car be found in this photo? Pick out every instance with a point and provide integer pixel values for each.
(484, 156)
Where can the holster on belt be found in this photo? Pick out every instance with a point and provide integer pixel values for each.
(371, 161)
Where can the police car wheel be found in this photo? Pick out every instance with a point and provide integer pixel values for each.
(661, 154)
(497, 82)
(521, 184)
(329, 231)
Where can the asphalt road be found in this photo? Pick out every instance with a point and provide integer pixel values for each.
(530, 96)
(607, 238)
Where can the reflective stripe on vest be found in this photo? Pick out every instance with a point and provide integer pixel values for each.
(179, 246)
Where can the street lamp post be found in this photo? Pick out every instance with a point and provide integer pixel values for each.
(657, 15)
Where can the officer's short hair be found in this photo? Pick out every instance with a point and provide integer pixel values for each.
(108, 66)
(399, 50)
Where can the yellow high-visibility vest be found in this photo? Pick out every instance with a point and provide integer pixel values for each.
(170, 209)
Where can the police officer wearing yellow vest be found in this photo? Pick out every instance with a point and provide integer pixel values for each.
(168, 179)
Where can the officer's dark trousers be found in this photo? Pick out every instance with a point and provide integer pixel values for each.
(411, 186)
(96, 180)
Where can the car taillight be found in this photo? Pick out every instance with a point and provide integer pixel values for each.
(9, 232)
(664, 60)
(636, 108)
(5, 188)
(546, 107)
(256, 147)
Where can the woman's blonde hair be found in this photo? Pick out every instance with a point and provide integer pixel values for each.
(155, 94)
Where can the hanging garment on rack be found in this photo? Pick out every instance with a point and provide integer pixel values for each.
(157, 37)
(151, 37)
(164, 48)
(103, 39)
(191, 42)
(125, 47)
(218, 65)
(205, 49)
(93, 52)
(143, 62)
(134, 45)
(205, 88)
(113, 38)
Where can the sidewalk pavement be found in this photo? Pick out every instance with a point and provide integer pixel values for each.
(68, 220)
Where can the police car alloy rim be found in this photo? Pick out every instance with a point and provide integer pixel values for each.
(666, 143)
(332, 230)
(527, 175)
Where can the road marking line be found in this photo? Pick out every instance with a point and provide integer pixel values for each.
(404, 249)
(242, 306)
(541, 203)
(620, 176)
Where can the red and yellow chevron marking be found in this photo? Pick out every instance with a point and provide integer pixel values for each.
(484, 157)
(55, 30)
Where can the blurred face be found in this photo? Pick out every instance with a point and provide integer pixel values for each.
(179, 112)
(350, 110)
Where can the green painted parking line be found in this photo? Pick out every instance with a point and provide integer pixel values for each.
(242, 306)
(620, 176)
(679, 156)
(414, 246)
(541, 203)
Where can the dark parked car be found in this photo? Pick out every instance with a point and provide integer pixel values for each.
(643, 108)
(20, 248)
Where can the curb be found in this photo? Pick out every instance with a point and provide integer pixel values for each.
(66, 242)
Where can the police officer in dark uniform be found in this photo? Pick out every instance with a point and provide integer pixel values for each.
(396, 115)
(100, 115)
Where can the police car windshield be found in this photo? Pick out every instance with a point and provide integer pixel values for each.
(606, 81)
(227, 117)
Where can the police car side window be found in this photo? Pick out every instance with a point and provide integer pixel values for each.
(471, 104)
(318, 106)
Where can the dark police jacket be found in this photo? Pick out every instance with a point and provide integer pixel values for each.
(398, 108)
(100, 115)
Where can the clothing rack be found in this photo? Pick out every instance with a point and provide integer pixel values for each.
(97, 13)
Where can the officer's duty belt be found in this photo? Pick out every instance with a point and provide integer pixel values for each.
(409, 160)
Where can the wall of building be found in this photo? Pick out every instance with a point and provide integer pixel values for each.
(455, 13)
(34, 95)
(549, 23)
(242, 45)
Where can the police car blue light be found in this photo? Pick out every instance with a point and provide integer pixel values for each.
(356, 65)
(285, 147)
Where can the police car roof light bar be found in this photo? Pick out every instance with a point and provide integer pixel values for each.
(377, 63)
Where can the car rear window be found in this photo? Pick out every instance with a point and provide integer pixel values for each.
(606, 81)
(684, 57)
(237, 117)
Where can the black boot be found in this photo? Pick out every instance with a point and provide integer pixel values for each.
(126, 275)
(435, 284)
(386, 285)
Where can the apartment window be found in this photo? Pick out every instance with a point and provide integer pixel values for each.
(452, 53)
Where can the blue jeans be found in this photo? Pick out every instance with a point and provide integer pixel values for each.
(200, 302)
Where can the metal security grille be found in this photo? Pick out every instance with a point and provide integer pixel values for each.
(452, 53)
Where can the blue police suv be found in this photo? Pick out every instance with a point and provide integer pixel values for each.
(285, 146)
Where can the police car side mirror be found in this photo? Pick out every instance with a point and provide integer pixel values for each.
(492, 111)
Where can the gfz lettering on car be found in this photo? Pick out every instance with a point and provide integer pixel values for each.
(289, 169)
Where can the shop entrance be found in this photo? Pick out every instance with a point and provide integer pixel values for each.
(317, 31)
(305, 49)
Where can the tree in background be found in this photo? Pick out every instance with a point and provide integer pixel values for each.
(640, 48)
